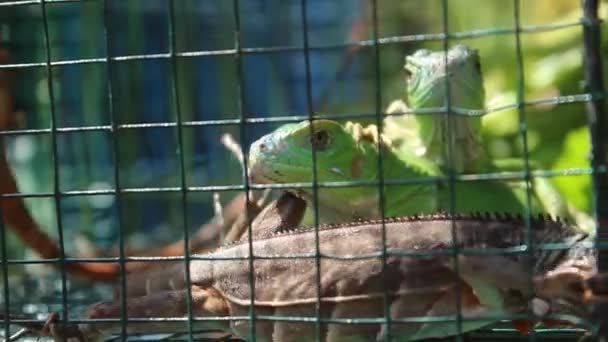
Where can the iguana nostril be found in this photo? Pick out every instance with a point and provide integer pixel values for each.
(262, 147)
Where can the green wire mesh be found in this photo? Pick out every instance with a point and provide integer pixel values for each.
(593, 97)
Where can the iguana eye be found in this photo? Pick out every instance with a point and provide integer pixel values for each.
(320, 140)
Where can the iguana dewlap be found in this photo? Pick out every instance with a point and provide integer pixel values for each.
(419, 278)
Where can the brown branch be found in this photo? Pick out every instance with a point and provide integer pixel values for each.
(14, 212)
(18, 219)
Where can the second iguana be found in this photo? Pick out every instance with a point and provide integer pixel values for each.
(453, 139)
(445, 138)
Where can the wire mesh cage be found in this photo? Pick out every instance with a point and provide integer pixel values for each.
(129, 132)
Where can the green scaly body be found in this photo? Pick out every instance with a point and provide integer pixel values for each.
(350, 153)
(417, 147)
(430, 135)
(427, 135)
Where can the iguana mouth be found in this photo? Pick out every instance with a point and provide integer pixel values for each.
(260, 178)
(261, 175)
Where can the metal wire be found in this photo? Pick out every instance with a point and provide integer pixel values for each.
(594, 96)
(56, 187)
(182, 167)
(598, 128)
(523, 131)
(117, 184)
(241, 98)
(513, 175)
(565, 99)
(598, 121)
(381, 181)
(450, 168)
(396, 40)
(315, 182)
(5, 283)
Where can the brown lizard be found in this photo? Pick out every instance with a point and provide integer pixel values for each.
(418, 276)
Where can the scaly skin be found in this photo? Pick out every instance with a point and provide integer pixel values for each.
(285, 155)
(350, 153)
(427, 135)
(353, 285)
(408, 138)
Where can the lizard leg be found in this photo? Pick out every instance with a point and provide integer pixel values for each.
(475, 269)
(438, 304)
(566, 281)
(446, 305)
(206, 302)
(371, 308)
(61, 332)
(242, 328)
(283, 214)
(407, 306)
(296, 331)
(285, 331)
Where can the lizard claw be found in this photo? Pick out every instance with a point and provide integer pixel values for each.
(567, 282)
(59, 331)
(49, 325)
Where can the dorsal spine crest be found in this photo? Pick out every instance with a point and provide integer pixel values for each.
(542, 221)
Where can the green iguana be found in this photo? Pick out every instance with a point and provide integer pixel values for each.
(414, 146)
(350, 153)
(418, 275)
(428, 135)
(407, 140)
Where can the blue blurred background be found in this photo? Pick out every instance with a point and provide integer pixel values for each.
(273, 83)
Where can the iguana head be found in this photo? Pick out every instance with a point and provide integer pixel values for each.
(285, 155)
(343, 153)
(428, 73)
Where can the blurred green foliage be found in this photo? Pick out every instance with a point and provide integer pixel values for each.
(557, 135)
